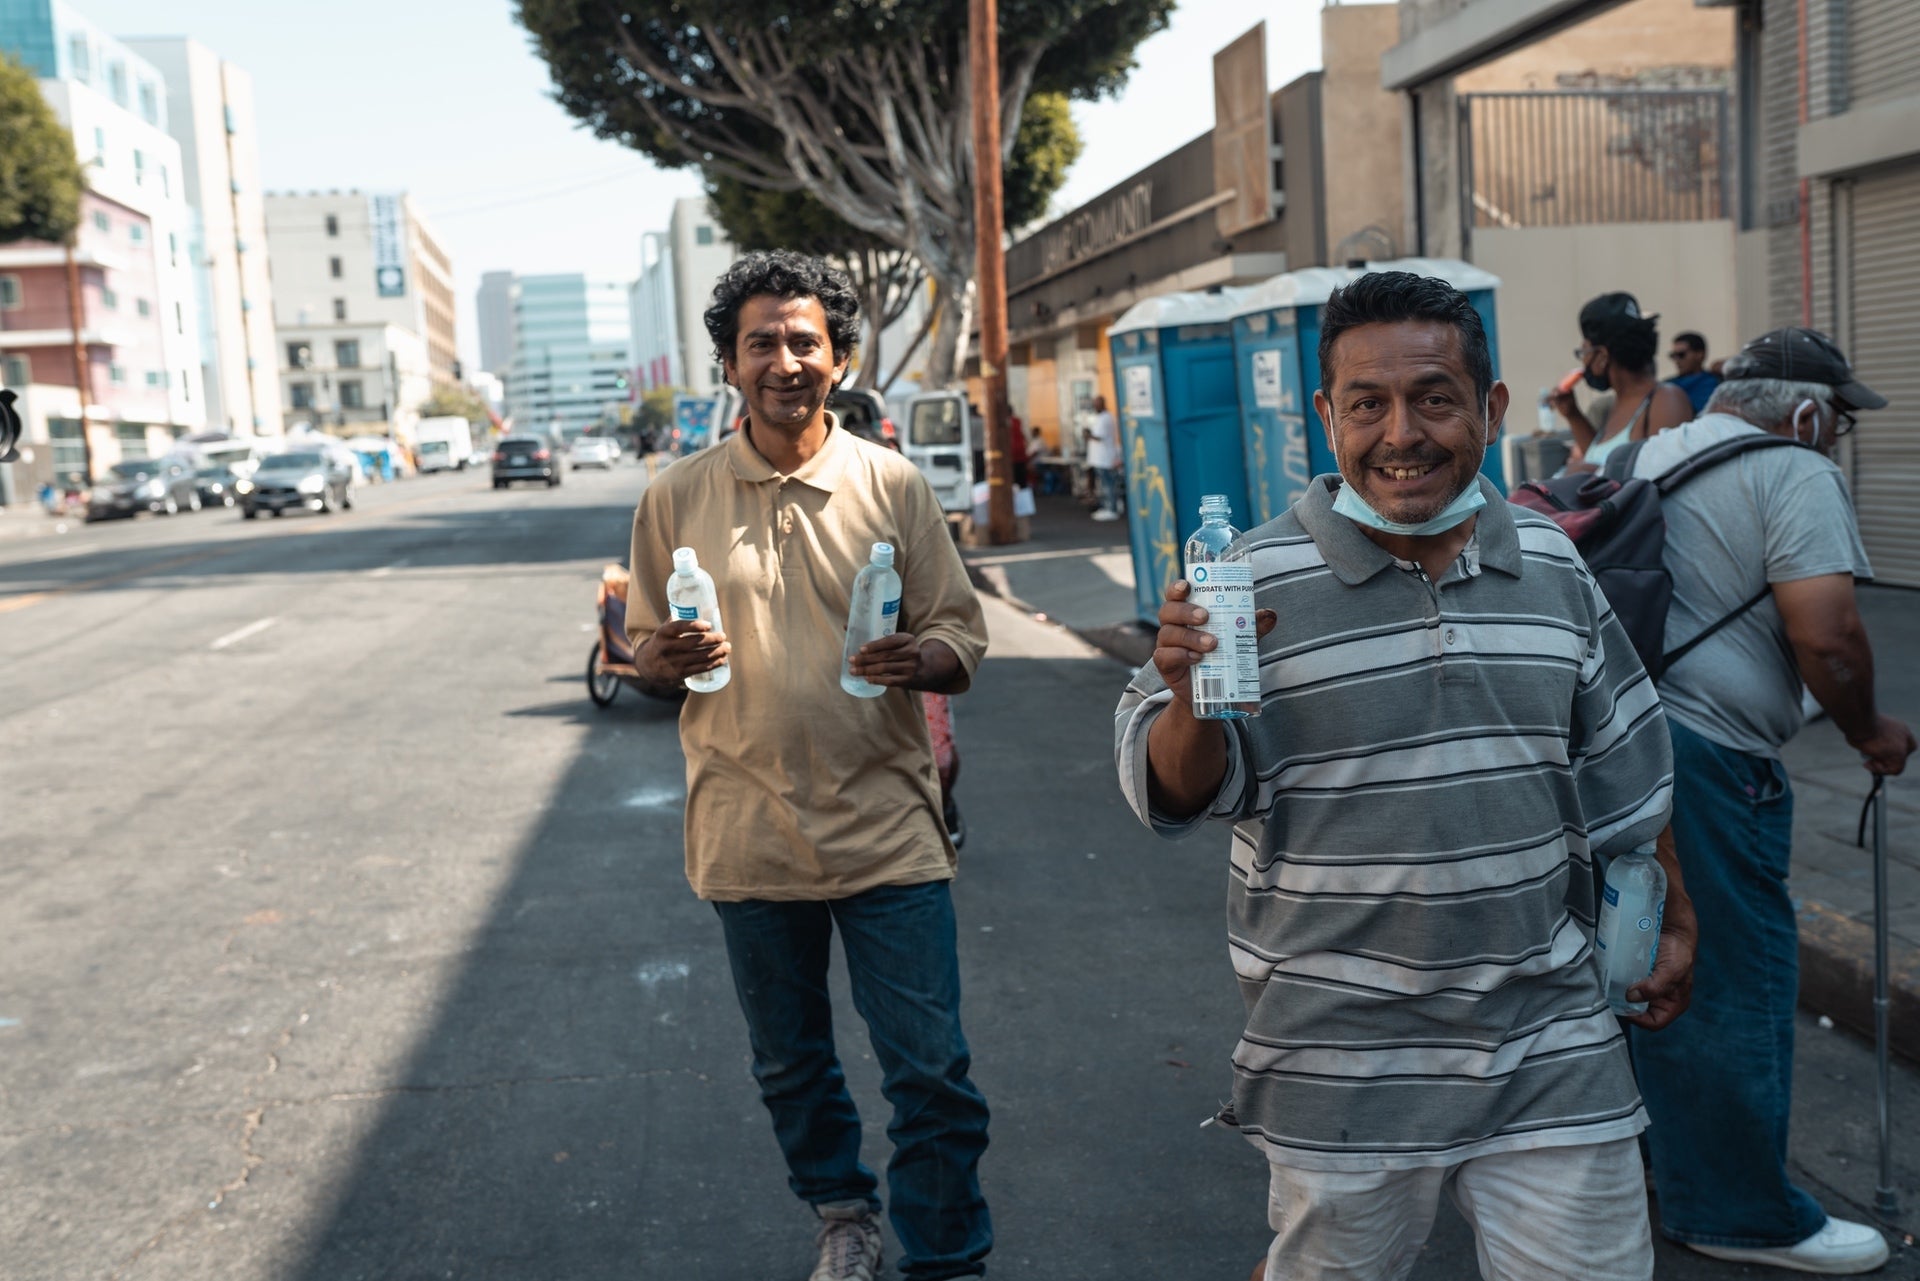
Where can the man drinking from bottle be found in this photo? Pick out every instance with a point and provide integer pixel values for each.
(1453, 729)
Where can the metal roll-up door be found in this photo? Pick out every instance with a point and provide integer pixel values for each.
(1886, 355)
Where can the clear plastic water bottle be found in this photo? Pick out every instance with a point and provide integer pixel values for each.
(1549, 421)
(690, 594)
(1627, 939)
(1226, 682)
(875, 612)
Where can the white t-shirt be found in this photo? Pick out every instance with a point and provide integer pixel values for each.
(1103, 442)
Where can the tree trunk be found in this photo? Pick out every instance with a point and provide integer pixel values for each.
(953, 316)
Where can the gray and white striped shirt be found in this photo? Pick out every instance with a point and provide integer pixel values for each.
(1416, 813)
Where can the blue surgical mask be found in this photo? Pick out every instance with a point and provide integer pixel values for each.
(1349, 504)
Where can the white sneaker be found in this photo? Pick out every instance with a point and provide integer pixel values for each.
(1106, 513)
(1838, 1249)
(849, 1244)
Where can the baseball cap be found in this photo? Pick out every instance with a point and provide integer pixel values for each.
(1805, 356)
(1610, 315)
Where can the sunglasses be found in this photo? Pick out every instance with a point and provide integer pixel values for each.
(1843, 422)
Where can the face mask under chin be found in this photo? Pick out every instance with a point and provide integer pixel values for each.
(1599, 382)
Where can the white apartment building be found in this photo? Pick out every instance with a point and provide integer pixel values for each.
(363, 308)
(572, 352)
(668, 303)
(143, 317)
(210, 114)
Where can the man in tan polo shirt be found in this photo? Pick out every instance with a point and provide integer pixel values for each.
(808, 808)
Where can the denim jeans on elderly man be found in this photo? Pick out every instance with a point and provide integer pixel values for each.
(899, 942)
(1718, 1082)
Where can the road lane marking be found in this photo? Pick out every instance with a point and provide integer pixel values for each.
(251, 629)
(384, 570)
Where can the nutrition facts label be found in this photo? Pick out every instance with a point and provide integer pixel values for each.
(1231, 673)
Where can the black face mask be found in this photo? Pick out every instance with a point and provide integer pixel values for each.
(1599, 382)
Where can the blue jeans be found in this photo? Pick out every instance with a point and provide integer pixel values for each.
(905, 974)
(1109, 478)
(1718, 1082)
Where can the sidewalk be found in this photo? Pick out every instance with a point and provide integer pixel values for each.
(1080, 574)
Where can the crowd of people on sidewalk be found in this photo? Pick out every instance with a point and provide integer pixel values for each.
(1457, 730)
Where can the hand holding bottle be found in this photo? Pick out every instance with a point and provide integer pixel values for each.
(1182, 641)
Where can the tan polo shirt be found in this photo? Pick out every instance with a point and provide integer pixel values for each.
(795, 788)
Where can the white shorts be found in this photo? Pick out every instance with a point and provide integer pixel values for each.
(1547, 1214)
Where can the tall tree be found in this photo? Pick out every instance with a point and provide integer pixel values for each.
(40, 186)
(862, 104)
(889, 278)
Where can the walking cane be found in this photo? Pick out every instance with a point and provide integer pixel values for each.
(1886, 1201)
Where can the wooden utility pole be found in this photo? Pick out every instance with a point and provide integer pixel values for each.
(82, 370)
(983, 62)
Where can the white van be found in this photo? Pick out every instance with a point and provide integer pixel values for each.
(939, 440)
(241, 455)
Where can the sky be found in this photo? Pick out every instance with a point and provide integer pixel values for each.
(446, 100)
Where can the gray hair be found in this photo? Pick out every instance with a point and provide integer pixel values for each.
(1766, 402)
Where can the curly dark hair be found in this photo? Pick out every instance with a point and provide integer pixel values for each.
(781, 273)
(1390, 297)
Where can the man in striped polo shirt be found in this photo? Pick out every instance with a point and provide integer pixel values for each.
(1453, 728)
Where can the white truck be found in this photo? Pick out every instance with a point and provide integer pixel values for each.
(443, 443)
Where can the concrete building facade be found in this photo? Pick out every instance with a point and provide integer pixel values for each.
(210, 114)
(654, 318)
(572, 352)
(493, 308)
(363, 308)
(139, 316)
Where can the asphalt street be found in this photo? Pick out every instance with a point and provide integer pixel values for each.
(342, 937)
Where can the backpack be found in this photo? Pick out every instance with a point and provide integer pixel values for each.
(1616, 524)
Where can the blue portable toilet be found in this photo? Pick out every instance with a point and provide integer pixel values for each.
(1276, 340)
(1277, 350)
(1179, 414)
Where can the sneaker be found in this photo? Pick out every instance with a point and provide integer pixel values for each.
(1106, 513)
(1838, 1249)
(849, 1244)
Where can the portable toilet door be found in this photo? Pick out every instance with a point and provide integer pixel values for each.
(1285, 444)
(1180, 403)
(1153, 535)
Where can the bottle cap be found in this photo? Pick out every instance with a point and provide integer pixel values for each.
(684, 561)
(882, 554)
(1210, 503)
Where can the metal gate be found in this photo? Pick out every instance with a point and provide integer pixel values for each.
(1885, 238)
(1564, 157)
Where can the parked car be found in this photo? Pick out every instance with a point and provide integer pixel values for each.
(143, 485)
(863, 411)
(593, 451)
(216, 485)
(311, 479)
(524, 458)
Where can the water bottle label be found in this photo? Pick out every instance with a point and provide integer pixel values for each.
(1611, 894)
(889, 612)
(687, 612)
(1232, 671)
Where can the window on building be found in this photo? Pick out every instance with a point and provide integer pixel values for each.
(132, 438)
(101, 221)
(333, 224)
(179, 319)
(117, 375)
(346, 353)
(139, 165)
(334, 268)
(703, 235)
(117, 81)
(166, 183)
(154, 377)
(142, 306)
(15, 371)
(352, 395)
(301, 394)
(69, 451)
(109, 299)
(339, 308)
(149, 103)
(136, 233)
(233, 125)
(186, 387)
(99, 145)
(9, 294)
(80, 58)
(173, 250)
(299, 355)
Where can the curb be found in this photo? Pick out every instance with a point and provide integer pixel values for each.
(1836, 978)
(1836, 951)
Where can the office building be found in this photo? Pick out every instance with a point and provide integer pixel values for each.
(572, 353)
(363, 308)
